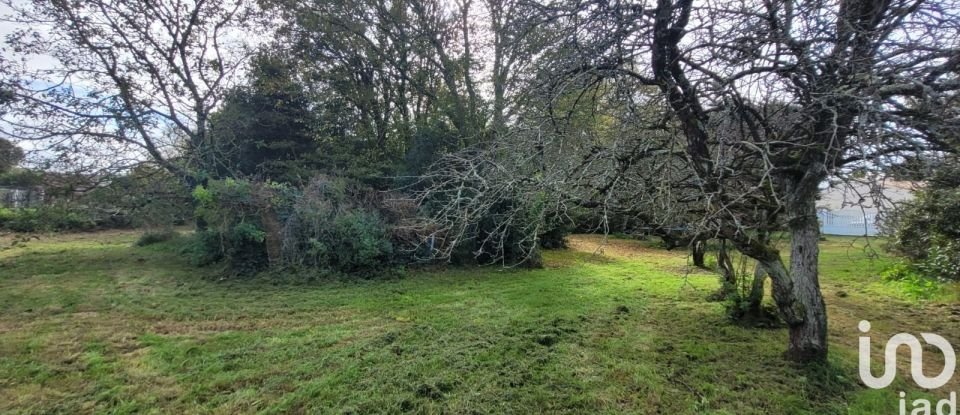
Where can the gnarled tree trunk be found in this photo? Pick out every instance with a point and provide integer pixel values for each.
(797, 289)
(727, 271)
(755, 301)
(808, 341)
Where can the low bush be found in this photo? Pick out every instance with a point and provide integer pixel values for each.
(202, 248)
(361, 241)
(942, 260)
(506, 234)
(233, 213)
(555, 236)
(926, 230)
(46, 219)
(156, 236)
(912, 279)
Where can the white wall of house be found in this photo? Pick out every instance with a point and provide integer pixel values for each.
(21, 197)
(853, 209)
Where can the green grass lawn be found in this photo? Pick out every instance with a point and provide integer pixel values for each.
(91, 324)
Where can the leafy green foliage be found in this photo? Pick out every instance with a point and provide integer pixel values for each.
(912, 280)
(335, 225)
(927, 230)
(427, 144)
(10, 155)
(202, 248)
(265, 129)
(332, 225)
(46, 219)
(21, 178)
(236, 232)
(359, 241)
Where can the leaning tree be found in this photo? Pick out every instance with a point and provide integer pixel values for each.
(816, 88)
(768, 100)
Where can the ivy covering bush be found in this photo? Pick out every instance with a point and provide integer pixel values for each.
(333, 225)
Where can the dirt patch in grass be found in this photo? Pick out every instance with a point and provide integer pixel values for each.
(618, 248)
(22, 240)
(677, 261)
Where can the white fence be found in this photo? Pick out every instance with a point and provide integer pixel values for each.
(853, 223)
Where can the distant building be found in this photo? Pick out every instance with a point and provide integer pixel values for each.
(21, 197)
(853, 209)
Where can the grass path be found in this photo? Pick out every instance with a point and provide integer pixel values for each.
(90, 324)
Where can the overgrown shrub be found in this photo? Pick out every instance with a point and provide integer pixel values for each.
(927, 229)
(332, 225)
(335, 224)
(240, 248)
(46, 219)
(233, 210)
(203, 248)
(362, 241)
(507, 232)
(912, 280)
(555, 238)
(338, 225)
(943, 259)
